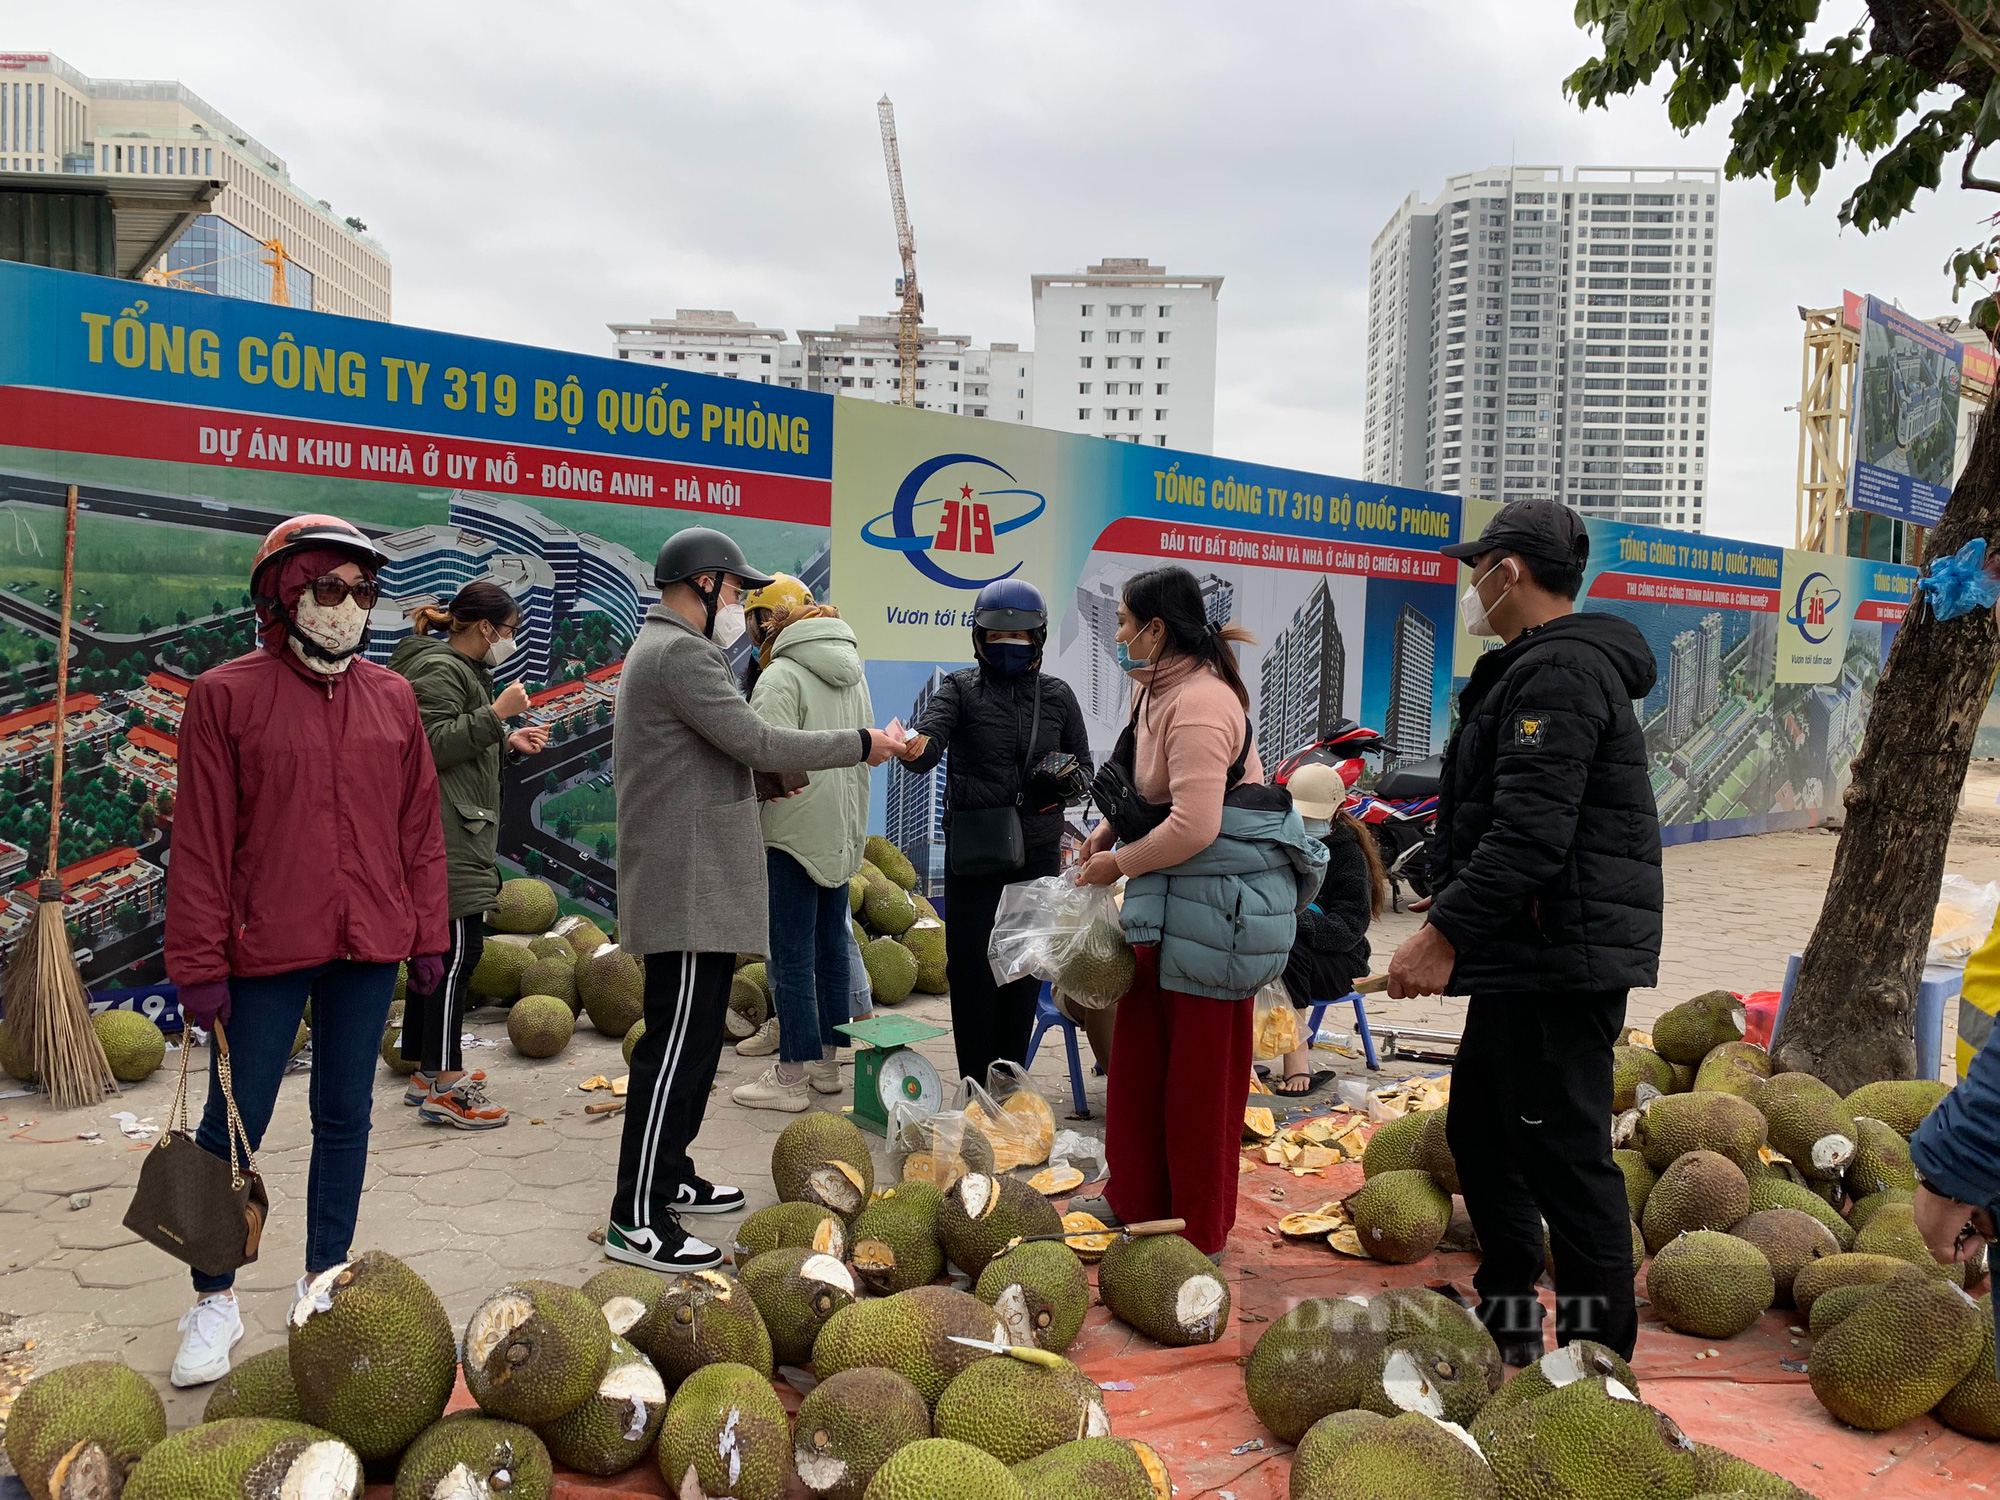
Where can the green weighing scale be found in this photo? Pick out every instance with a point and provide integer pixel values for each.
(887, 1072)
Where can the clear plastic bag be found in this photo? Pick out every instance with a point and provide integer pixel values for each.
(1012, 1113)
(937, 1148)
(1275, 1028)
(1963, 919)
(1065, 933)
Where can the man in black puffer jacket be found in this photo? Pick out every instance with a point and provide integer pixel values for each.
(1546, 910)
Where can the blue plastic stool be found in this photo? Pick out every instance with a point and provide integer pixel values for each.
(1319, 1008)
(1046, 1015)
(1933, 994)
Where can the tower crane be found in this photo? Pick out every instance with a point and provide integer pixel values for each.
(910, 314)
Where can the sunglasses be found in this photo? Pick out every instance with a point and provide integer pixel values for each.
(328, 591)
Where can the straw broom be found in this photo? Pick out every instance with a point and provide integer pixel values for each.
(47, 1004)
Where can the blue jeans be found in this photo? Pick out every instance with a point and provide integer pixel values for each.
(350, 1013)
(808, 966)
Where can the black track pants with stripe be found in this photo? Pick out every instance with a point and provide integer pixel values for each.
(432, 1024)
(673, 1069)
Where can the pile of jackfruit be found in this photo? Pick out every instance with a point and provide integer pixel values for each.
(900, 932)
(918, 1391)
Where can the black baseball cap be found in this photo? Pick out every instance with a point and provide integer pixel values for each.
(1545, 529)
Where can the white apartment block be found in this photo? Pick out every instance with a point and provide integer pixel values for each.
(857, 359)
(1127, 351)
(1540, 331)
(55, 119)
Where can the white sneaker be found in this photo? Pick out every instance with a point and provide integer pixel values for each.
(824, 1076)
(765, 1091)
(209, 1330)
(760, 1043)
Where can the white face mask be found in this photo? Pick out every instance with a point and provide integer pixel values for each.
(729, 626)
(1475, 613)
(336, 630)
(503, 648)
(1319, 827)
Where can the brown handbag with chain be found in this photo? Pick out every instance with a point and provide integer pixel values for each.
(194, 1205)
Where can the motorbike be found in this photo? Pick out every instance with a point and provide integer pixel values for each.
(1400, 811)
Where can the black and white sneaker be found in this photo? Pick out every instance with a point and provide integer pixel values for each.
(677, 1250)
(700, 1197)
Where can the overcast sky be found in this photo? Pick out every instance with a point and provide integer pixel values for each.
(538, 170)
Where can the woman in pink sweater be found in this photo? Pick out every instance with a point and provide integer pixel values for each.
(1180, 1072)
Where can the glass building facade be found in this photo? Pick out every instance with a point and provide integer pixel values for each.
(215, 256)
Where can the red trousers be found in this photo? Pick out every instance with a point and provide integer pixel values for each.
(1179, 1079)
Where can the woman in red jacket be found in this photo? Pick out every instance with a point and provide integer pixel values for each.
(307, 862)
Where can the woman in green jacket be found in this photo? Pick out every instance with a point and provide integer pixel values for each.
(466, 725)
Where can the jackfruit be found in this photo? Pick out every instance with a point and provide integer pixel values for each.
(1973, 1405)
(1096, 1469)
(14, 1055)
(1675, 1124)
(613, 1428)
(895, 1240)
(1429, 1375)
(1328, 1437)
(632, 1299)
(1041, 1293)
(939, 1153)
(534, 1351)
(261, 1386)
(1410, 1457)
(980, 1214)
(1096, 966)
(1863, 1209)
(1893, 1231)
(857, 891)
(553, 976)
(849, 1424)
(99, 1402)
(707, 1318)
(631, 1042)
(1400, 1216)
(1320, 1357)
(1165, 1288)
(1702, 1190)
(548, 945)
(1695, 1028)
(1639, 1179)
(1822, 1276)
(1830, 1306)
(1809, 1125)
(1017, 1409)
(791, 1226)
(1709, 1284)
(1734, 1068)
(1395, 1146)
(1778, 1192)
(823, 1158)
(1898, 1354)
(502, 962)
(371, 1354)
(392, 1052)
(1591, 1440)
(888, 909)
(540, 1025)
(749, 1005)
(942, 1469)
(1901, 1103)
(1881, 1159)
(1409, 1312)
(1579, 1359)
(910, 1333)
(133, 1045)
(891, 861)
(926, 945)
(726, 1430)
(1434, 1154)
(1724, 1474)
(1638, 1074)
(892, 970)
(1022, 1130)
(796, 1291)
(526, 905)
(472, 1457)
(612, 985)
(584, 936)
(1790, 1240)
(248, 1458)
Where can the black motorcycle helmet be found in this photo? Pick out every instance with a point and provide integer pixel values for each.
(702, 549)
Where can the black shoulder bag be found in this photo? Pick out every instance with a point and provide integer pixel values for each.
(1132, 817)
(988, 840)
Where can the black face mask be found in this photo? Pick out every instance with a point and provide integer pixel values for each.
(1009, 658)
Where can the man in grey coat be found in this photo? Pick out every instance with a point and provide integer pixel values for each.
(691, 876)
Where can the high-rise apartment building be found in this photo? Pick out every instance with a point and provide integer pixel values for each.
(1302, 680)
(850, 359)
(913, 811)
(54, 119)
(1542, 331)
(1127, 351)
(1412, 663)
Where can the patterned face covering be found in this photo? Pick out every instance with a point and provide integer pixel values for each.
(336, 629)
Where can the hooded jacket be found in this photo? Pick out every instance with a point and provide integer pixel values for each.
(1546, 870)
(468, 744)
(306, 822)
(814, 681)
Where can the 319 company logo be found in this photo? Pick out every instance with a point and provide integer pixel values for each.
(948, 509)
(1811, 614)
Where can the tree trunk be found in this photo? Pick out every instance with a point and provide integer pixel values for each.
(1852, 1014)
